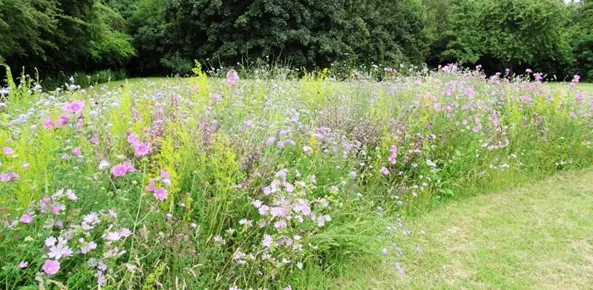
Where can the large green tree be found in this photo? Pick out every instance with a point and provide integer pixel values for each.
(508, 33)
(62, 35)
(302, 33)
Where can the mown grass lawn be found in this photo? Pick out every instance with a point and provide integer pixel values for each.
(535, 237)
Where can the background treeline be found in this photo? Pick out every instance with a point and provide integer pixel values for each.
(157, 37)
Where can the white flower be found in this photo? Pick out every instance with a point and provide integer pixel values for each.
(104, 165)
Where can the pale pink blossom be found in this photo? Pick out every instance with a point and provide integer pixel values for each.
(160, 194)
(51, 267)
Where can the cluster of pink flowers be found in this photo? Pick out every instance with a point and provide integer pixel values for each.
(140, 148)
(76, 239)
(74, 107)
(232, 77)
(122, 169)
(58, 123)
(9, 177)
(160, 193)
(393, 156)
(575, 80)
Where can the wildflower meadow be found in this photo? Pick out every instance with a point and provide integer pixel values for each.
(256, 181)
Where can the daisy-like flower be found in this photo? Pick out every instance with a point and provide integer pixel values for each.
(88, 247)
(59, 250)
(267, 241)
(113, 236)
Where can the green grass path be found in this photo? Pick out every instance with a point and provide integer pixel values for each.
(536, 237)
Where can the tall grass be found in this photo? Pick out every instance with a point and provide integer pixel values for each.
(210, 183)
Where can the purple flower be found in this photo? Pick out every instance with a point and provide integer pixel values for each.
(113, 236)
(23, 265)
(279, 212)
(384, 171)
(88, 247)
(59, 251)
(302, 206)
(267, 241)
(280, 224)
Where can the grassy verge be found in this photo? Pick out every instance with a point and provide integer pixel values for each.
(535, 237)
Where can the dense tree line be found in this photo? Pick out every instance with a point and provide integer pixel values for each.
(164, 36)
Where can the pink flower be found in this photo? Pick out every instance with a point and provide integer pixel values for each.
(160, 194)
(279, 212)
(232, 77)
(165, 174)
(95, 140)
(76, 152)
(88, 247)
(7, 151)
(151, 186)
(61, 121)
(307, 149)
(122, 169)
(9, 177)
(280, 224)
(23, 265)
(133, 139)
(61, 250)
(384, 171)
(47, 123)
(393, 157)
(55, 209)
(51, 267)
(580, 97)
(142, 149)
(26, 218)
(73, 107)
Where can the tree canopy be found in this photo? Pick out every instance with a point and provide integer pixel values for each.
(162, 36)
